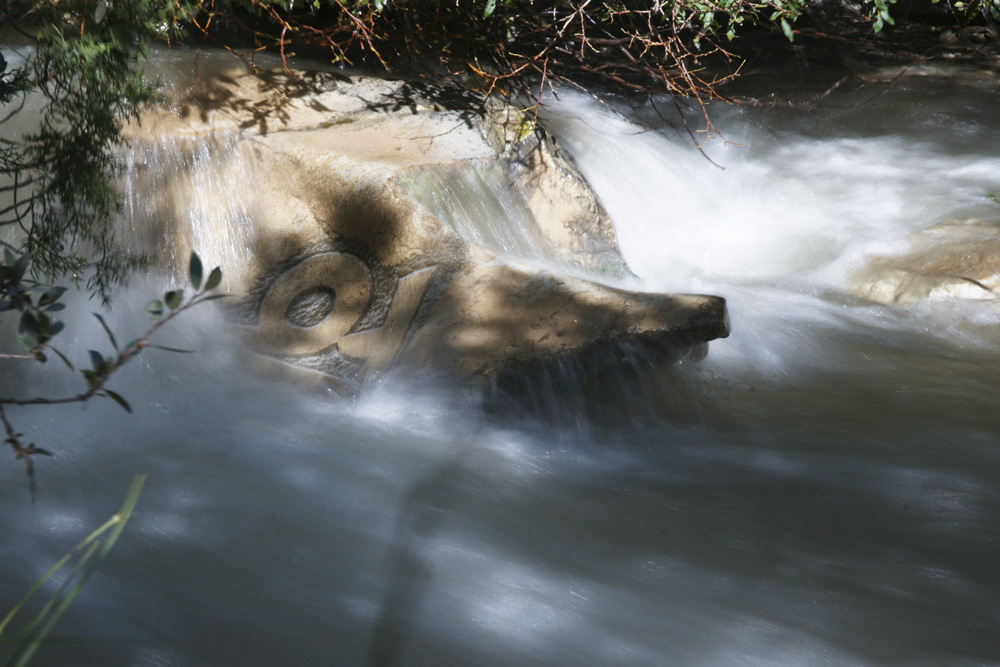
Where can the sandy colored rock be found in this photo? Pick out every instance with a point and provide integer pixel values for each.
(959, 259)
(339, 270)
(569, 213)
(413, 126)
(497, 314)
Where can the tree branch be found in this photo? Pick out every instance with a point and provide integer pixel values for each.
(99, 381)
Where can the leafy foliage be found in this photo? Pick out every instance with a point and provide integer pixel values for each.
(37, 327)
(58, 197)
(515, 47)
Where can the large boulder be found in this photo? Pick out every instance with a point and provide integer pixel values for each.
(346, 273)
(958, 259)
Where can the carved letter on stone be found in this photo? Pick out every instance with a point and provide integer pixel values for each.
(317, 303)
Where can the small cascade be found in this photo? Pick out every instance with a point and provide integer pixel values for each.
(777, 216)
(190, 194)
(480, 201)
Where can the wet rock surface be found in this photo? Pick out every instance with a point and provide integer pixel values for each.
(958, 259)
(347, 274)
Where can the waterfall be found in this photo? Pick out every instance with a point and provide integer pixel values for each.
(184, 195)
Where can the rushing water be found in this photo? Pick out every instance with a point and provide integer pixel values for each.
(823, 489)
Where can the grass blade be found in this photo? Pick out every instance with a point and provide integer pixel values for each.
(93, 551)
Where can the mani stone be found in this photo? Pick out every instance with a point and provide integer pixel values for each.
(958, 259)
(345, 274)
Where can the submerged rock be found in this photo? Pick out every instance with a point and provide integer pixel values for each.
(348, 274)
(959, 259)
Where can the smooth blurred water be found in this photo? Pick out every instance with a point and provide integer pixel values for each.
(482, 203)
(823, 489)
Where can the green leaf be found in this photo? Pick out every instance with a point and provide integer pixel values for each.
(63, 357)
(28, 324)
(195, 270)
(92, 378)
(27, 341)
(44, 324)
(172, 349)
(214, 278)
(20, 300)
(51, 296)
(173, 299)
(111, 336)
(490, 6)
(96, 360)
(20, 267)
(155, 309)
(787, 29)
(119, 400)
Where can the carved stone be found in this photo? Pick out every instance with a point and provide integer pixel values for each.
(345, 274)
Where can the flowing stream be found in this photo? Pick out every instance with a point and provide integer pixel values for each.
(822, 489)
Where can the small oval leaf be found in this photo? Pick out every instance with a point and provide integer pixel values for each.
(155, 309)
(27, 341)
(28, 324)
(173, 298)
(195, 270)
(214, 278)
(51, 296)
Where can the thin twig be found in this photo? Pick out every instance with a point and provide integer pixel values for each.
(123, 356)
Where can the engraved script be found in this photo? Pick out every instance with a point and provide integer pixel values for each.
(338, 288)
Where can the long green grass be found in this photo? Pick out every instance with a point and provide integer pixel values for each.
(81, 561)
